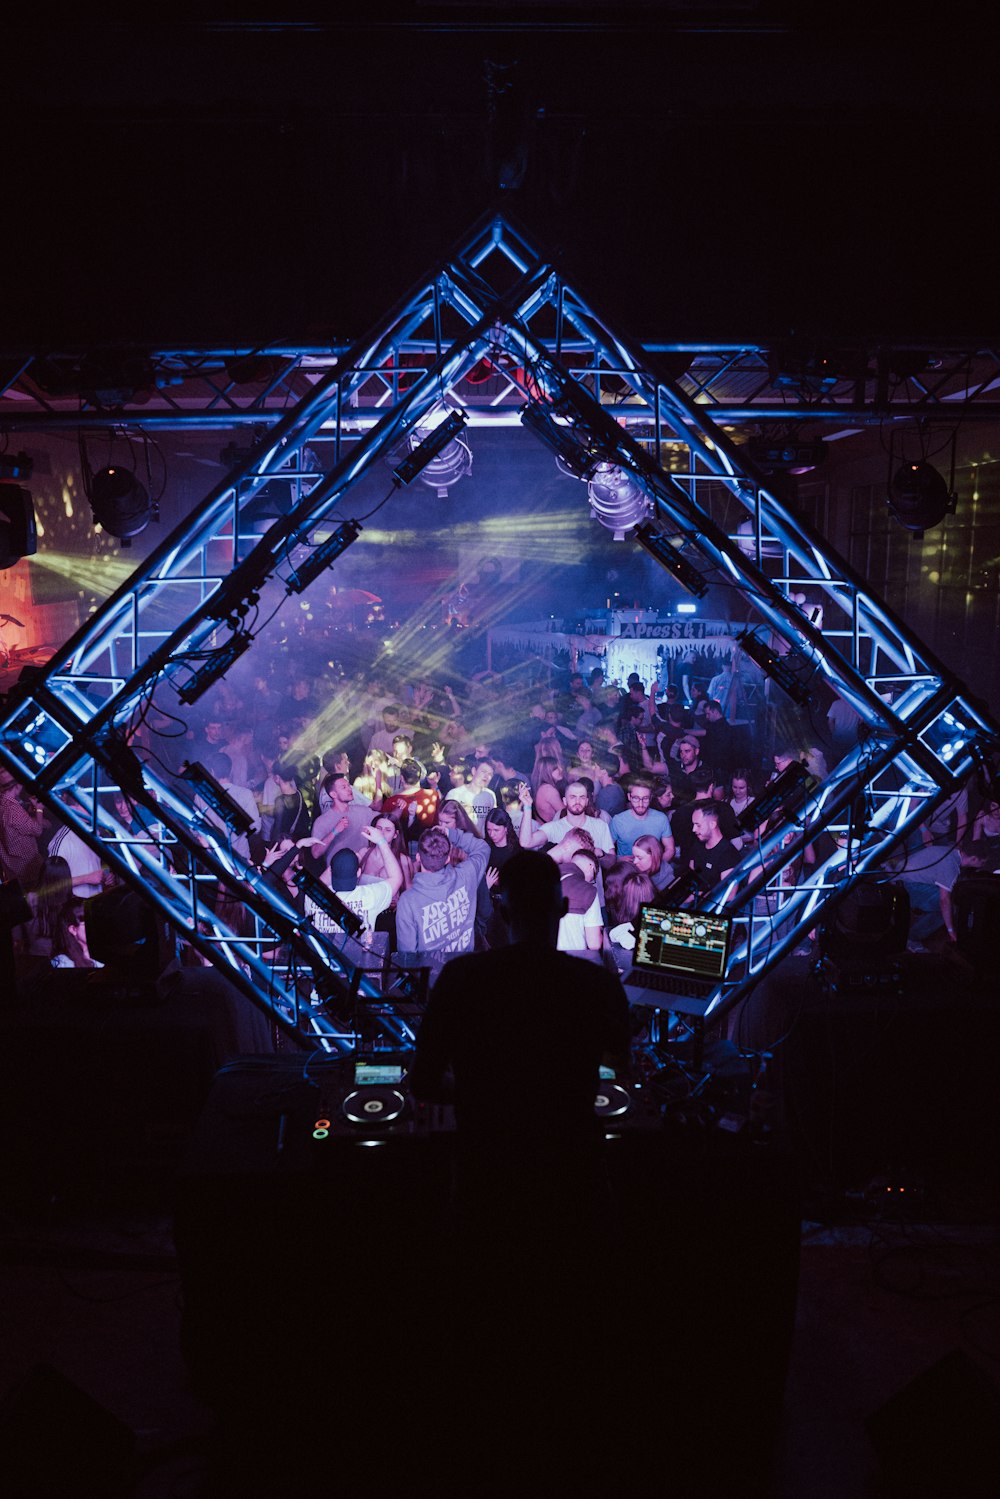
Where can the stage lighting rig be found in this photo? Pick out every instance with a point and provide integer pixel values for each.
(787, 791)
(18, 533)
(988, 771)
(617, 499)
(786, 453)
(578, 459)
(319, 560)
(668, 556)
(254, 368)
(429, 447)
(810, 371)
(241, 590)
(215, 667)
(120, 504)
(919, 497)
(217, 798)
(778, 668)
(328, 902)
(111, 745)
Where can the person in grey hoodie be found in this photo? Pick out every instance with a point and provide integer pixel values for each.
(437, 915)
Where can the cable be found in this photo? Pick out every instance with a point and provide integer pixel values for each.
(359, 519)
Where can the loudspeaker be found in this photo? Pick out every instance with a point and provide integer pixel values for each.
(880, 1078)
(17, 525)
(940, 1434)
(864, 928)
(975, 901)
(125, 932)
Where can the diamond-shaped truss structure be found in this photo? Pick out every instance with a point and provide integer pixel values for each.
(181, 619)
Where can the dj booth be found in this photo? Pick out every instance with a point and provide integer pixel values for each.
(326, 1271)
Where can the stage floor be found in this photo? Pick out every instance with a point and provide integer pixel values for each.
(93, 1290)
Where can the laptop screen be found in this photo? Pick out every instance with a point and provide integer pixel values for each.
(691, 943)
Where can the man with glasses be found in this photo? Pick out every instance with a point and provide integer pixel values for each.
(640, 817)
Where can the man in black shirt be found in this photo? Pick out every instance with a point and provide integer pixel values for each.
(718, 743)
(703, 786)
(516, 1036)
(713, 856)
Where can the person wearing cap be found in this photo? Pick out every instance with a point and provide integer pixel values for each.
(366, 898)
(688, 756)
(413, 805)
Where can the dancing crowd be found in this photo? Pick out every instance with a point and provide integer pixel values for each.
(405, 799)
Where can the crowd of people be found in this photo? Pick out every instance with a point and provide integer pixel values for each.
(405, 799)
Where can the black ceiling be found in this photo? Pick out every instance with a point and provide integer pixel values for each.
(711, 171)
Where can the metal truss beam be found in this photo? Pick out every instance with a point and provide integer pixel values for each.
(747, 384)
(197, 603)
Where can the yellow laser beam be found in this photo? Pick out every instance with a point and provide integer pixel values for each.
(101, 574)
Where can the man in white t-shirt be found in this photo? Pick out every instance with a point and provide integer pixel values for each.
(85, 866)
(476, 796)
(576, 817)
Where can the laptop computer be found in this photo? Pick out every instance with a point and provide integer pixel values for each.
(679, 959)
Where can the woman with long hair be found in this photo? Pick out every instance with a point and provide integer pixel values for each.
(371, 865)
(741, 794)
(664, 799)
(451, 814)
(741, 789)
(69, 945)
(625, 890)
(53, 890)
(647, 856)
(501, 834)
(548, 782)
